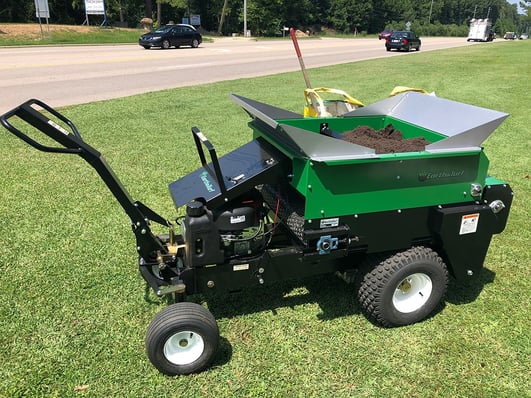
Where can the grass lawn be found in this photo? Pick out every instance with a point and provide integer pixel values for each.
(74, 310)
(34, 34)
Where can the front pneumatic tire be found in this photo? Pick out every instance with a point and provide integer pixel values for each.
(181, 339)
(403, 289)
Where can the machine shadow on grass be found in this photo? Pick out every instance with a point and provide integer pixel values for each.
(335, 298)
(224, 354)
(466, 292)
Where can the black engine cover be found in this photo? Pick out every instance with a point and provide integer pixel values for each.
(236, 219)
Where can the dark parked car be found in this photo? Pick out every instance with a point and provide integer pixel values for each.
(385, 34)
(402, 40)
(171, 36)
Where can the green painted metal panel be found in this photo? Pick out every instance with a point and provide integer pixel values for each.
(387, 182)
(372, 186)
(343, 186)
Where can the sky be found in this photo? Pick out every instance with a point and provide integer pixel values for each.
(515, 2)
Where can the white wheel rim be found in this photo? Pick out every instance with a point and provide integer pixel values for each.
(184, 348)
(412, 293)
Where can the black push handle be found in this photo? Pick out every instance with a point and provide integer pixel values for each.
(71, 141)
(199, 139)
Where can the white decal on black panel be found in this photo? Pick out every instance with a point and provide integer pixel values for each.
(329, 223)
(469, 224)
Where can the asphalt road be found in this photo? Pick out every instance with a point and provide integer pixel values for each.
(67, 75)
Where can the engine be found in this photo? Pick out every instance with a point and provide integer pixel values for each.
(237, 229)
(241, 228)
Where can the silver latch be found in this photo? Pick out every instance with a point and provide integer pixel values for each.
(496, 206)
(475, 189)
(237, 179)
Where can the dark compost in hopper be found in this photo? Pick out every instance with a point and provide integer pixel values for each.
(386, 140)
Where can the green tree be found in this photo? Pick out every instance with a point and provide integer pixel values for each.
(346, 16)
(267, 17)
(264, 17)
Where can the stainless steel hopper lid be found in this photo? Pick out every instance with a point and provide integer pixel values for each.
(465, 126)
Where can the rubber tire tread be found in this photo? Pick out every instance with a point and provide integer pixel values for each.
(175, 318)
(377, 281)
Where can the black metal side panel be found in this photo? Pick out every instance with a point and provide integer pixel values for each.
(464, 233)
(382, 231)
(270, 267)
(254, 163)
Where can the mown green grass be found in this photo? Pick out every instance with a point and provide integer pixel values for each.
(65, 35)
(74, 310)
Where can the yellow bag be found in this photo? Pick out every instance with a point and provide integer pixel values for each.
(317, 107)
(403, 89)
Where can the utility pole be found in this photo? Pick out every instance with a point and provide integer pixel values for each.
(222, 19)
(244, 18)
(431, 8)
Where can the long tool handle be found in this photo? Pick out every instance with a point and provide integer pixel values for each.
(303, 67)
(299, 56)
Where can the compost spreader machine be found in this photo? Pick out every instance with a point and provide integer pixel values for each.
(298, 199)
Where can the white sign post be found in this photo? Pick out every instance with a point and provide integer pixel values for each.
(42, 11)
(95, 7)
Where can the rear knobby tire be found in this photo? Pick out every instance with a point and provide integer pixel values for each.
(181, 339)
(403, 289)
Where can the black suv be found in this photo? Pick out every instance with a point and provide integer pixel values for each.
(402, 40)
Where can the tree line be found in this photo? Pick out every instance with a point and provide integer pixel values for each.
(268, 17)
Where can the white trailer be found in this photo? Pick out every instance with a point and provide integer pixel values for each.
(480, 30)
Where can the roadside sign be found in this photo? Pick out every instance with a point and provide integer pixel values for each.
(195, 20)
(95, 7)
(41, 9)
